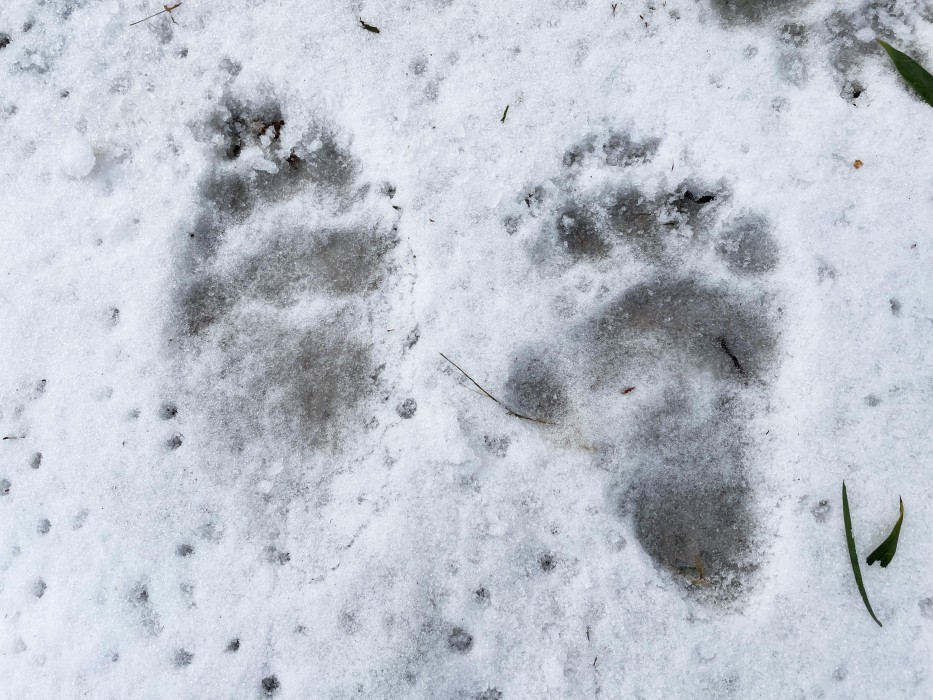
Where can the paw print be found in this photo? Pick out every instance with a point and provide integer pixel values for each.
(275, 315)
(685, 313)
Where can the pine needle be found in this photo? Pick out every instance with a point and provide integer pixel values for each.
(485, 393)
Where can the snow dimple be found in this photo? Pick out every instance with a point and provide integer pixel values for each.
(269, 684)
(821, 510)
(406, 409)
(141, 605)
(182, 657)
(459, 640)
(489, 694)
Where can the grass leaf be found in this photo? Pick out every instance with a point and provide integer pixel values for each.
(368, 27)
(853, 555)
(916, 75)
(886, 550)
(505, 114)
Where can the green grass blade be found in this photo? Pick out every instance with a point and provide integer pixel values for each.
(916, 75)
(853, 555)
(886, 550)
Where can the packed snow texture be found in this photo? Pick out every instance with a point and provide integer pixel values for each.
(674, 314)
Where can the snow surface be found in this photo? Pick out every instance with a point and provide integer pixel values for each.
(236, 240)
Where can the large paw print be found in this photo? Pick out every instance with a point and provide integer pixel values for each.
(688, 318)
(275, 308)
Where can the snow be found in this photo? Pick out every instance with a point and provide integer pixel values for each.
(77, 157)
(237, 239)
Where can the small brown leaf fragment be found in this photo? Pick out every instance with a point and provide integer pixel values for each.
(368, 27)
(628, 390)
(857, 164)
(698, 565)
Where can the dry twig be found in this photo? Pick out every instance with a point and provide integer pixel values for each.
(165, 8)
